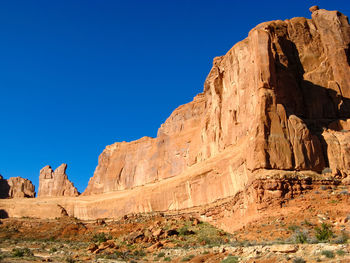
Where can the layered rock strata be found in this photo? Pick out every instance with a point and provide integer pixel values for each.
(273, 115)
(279, 90)
(55, 183)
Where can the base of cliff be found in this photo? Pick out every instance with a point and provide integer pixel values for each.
(306, 220)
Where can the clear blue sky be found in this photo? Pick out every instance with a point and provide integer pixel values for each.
(76, 76)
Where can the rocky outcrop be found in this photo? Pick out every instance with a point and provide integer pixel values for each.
(55, 183)
(20, 188)
(16, 187)
(277, 91)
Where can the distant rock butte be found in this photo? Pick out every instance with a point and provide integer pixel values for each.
(276, 105)
(16, 187)
(55, 183)
(20, 187)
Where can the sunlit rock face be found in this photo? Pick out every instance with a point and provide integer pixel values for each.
(16, 187)
(55, 183)
(20, 188)
(275, 96)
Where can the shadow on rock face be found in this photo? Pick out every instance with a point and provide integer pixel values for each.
(3, 214)
(4, 188)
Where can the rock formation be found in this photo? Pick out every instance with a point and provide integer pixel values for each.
(16, 187)
(275, 95)
(55, 183)
(273, 120)
(20, 187)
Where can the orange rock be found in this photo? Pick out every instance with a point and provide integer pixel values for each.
(20, 187)
(55, 183)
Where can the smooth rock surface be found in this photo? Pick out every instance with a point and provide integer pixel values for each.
(55, 183)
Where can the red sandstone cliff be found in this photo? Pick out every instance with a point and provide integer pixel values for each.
(276, 95)
(55, 183)
(274, 113)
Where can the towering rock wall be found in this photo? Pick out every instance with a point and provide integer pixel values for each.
(276, 95)
(55, 183)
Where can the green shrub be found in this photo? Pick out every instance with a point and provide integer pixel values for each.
(293, 228)
(167, 259)
(301, 237)
(100, 237)
(53, 250)
(323, 233)
(230, 259)
(340, 252)
(161, 254)
(184, 231)
(188, 258)
(327, 253)
(21, 252)
(299, 260)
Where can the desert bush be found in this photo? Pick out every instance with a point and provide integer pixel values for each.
(230, 259)
(340, 252)
(139, 253)
(69, 259)
(307, 223)
(100, 237)
(53, 250)
(161, 254)
(167, 259)
(299, 260)
(323, 233)
(188, 258)
(301, 237)
(327, 253)
(21, 252)
(184, 231)
(293, 228)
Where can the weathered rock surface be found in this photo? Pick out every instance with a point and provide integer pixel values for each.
(276, 105)
(277, 89)
(20, 187)
(16, 187)
(55, 183)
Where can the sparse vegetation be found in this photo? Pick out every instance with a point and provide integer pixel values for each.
(188, 258)
(299, 260)
(301, 237)
(323, 233)
(327, 253)
(293, 228)
(161, 254)
(100, 237)
(230, 259)
(69, 259)
(340, 252)
(167, 259)
(21, 252)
